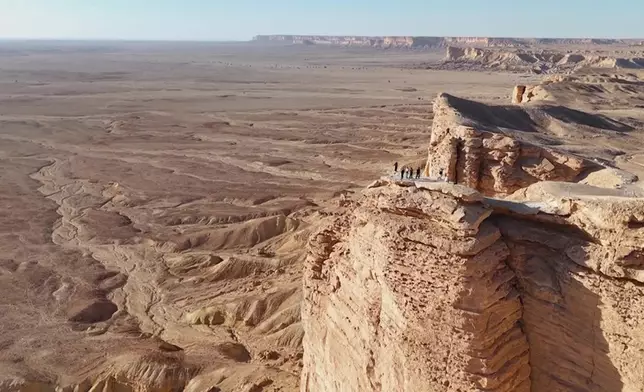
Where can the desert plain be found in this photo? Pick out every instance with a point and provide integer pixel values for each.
(156, 199)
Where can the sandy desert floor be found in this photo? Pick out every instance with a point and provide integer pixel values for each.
(156, 199)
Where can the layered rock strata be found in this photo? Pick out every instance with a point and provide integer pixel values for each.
(537, 61)
(496, 150)
(529, 93)
(429, 42)
(443, 290)
(622, 90)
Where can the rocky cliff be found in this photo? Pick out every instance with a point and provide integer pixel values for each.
(587, 90)
(538, 61)
(498, 149)
(436, 288)
(428, 42)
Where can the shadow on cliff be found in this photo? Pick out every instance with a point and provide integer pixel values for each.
(489, 116)
(573, 116)
(529, 119)
(561, 310)
(569, 350)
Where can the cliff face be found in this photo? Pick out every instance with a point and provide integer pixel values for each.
(442, 290)
(422, 42)
(624, 90)
(379, 42)
(489, 148)
(522, 60)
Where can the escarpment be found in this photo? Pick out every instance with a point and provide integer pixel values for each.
(537, 61)
(587, 91)
(498, 150)
(426, 288)
(430, 42)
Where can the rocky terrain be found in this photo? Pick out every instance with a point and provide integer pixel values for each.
(522, 273)
(499, 150)
(588, 91)
(203, 224)
(156, 211)
(542, 61)
(425, 287)
(412, 42)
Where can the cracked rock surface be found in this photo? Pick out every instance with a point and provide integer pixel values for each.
(420, 290)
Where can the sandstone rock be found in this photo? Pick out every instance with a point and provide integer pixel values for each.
(489, 148)
(525, 94)
(207, 316)
(584, 91)
(235, 351)
(538, 303)
(430, 42)
(517, 94)
(454, 53)
(536, 61)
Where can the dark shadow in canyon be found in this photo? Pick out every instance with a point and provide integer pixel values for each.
(561, 308)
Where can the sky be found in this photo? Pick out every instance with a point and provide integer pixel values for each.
(206, 20)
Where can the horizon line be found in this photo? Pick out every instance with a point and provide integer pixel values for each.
(253, 38)
(450, 36)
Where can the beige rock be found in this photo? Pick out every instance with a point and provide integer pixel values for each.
(400, 295)
(525, 94)
(431, 42)
(489, 148)
(517, 94)
(207, 316)
(536, 61)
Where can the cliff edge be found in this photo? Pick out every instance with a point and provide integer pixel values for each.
(536, 61)
(431, 42)
(442, 289)
(499, 149)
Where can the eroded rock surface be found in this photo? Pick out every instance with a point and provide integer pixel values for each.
(537, 61)
(529, 93)
(430, 42)
(586, 91)
(498, 150)
(419, 290)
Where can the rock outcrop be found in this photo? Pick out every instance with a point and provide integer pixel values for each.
(441, 289)
(497, 149)
(542, 61)
(529, 93)
(428, 42)
(588, 91)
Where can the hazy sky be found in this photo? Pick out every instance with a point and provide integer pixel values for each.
(242, 19)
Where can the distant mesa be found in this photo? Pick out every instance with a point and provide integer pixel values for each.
(537, 61)
(416, 290)
(419, 42)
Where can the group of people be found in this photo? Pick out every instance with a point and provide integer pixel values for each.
(407, 172)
